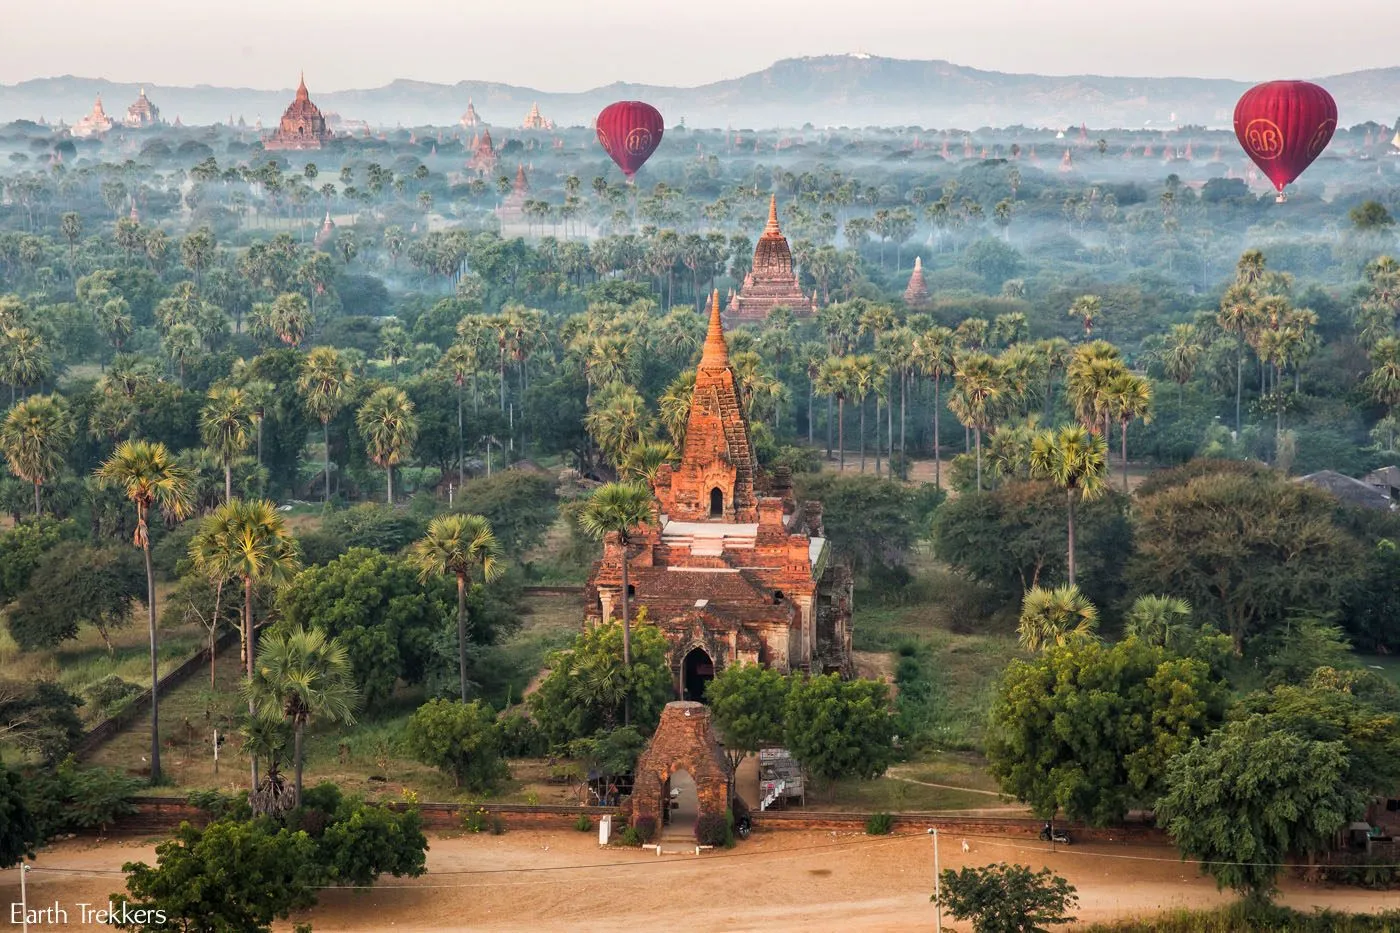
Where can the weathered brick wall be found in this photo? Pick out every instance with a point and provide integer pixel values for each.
(684, 740)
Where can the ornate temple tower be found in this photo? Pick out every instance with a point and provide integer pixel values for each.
(484, 155)
(771, 282)
(302, 125)
(731, 569)
(142, 113)
(96, 123)
(534, 120)
(470, 119)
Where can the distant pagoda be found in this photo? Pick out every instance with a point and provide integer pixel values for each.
(96, 123)
(770, 283)
(142, 114)
(512, 209)
(534, 121)
(916, 294)
(302, 125)
(484, 156)
(470, 119)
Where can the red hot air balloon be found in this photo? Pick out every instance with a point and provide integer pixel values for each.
(1283, 126)
(630, 131)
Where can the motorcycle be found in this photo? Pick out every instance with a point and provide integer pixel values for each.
(1048, 833)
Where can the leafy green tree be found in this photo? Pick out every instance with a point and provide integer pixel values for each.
(1055, 617)
(1014, 538)
(149, 477)
(1244, 550)
(1250, 795)
(19, 833)
(460, 545)
(839, 728)
(374, 604)
(1088, 729)
(588, 685)
(23, 547)
(72, 799)
(35, 437)
(365, 840)
(1006, 898)
(300, 675)
(227, 876)
(388, 426)
(40, 718)
(869, 522)
(747, 703)
(459, 738)
(77, 585)
(520, 506)
(225, 425)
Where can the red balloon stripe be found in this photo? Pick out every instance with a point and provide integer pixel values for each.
(1283, 126)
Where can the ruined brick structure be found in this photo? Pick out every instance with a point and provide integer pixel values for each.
(302, 125)
(770, 283)
(916, 294)
(732, 569)
(484, 157)
(685, 740)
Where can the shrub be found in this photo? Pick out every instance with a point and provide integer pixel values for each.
(583, 824)
(498, 825)
(712, 829)
(520, 737)
(473, 818)
(628, 837)
(218, 805)
(646, 829)
(879, 824)
(111, 693)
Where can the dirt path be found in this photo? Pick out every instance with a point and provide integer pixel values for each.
(530, 881)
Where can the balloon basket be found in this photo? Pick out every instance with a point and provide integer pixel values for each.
(1281, 199)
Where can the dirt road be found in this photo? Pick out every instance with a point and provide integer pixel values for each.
(537, 881)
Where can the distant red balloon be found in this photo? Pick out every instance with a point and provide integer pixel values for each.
(630, 131)
(1283, 126)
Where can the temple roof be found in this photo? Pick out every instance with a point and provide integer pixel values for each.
(715, 355)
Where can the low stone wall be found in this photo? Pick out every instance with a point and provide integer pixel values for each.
(162, 815)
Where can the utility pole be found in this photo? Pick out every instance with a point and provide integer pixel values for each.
(24, 895)
(937, 885)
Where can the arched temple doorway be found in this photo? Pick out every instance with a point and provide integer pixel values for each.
(680, 805)
(716, 503)
(697, 670)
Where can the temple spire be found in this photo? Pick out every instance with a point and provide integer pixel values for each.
(772, 228)
(301, 86)
(716, 352)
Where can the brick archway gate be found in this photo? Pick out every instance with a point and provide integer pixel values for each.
(684, 741)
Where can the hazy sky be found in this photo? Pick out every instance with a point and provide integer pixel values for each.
(565, 45)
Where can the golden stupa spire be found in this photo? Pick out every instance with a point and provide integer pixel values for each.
(716, 352)
(772, 228)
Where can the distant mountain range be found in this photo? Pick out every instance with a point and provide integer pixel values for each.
(831, 90)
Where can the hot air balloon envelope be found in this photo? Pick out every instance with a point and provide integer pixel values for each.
(1283, 126)
(630, 131)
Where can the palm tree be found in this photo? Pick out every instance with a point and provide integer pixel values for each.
(617, 421)
(148, 475)
(1239, 315)
(619, 508)
(35, 438)
(459, 544)
(1055, 617)
(834, 380)
(324, 381)
(248, 540)
(1159, 620)
(1129, 399)
(1086, 309)
(1076, 461)
(675, 406)
(864, 376)
(1091, 370)
(213, 560)
(24, 360)
(977, 392)
(1180, 353)
(181, 346)
(642, 462)
(389, 428)
(225, 424)
(461, 363)
(302, 674)
(933, 356)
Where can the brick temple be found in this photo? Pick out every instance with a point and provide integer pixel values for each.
(916, 294)
(733, 568)
(142, 114)
(771, 282)
(302, 125)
